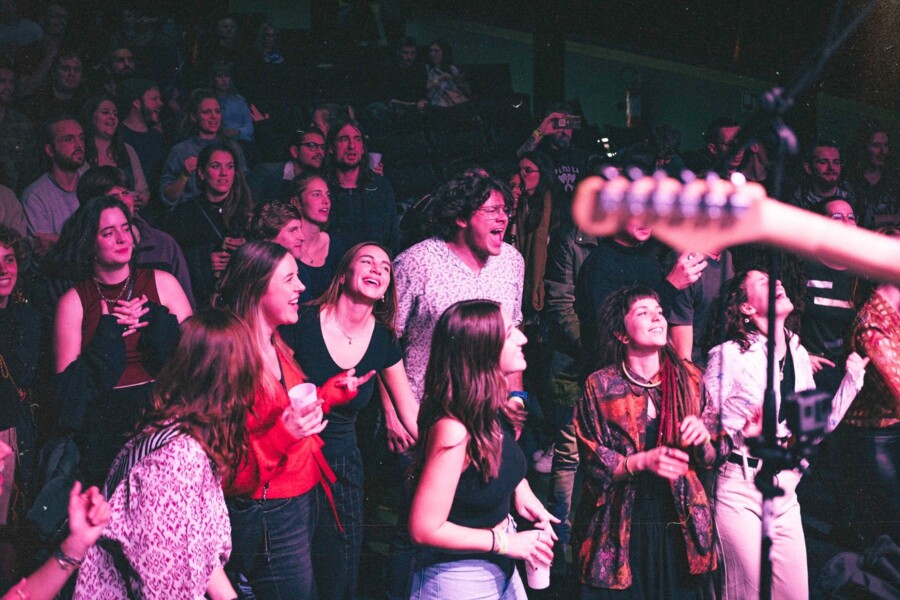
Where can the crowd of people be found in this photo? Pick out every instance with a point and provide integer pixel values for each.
(176, 265)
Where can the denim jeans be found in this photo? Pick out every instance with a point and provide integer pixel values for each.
(336, 554)
(434, 577)
(282, 569)
(565, 466)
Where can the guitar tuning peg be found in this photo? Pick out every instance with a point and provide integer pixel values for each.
(738, 178)
(634, 173)
(610, 172)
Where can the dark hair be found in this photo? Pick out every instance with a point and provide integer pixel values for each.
(299, 186)
(535, 201)
(712, 130)
(297, 137)
(246, 278)
(407, 42)
(446, 52)
(10, 238)
(463, 381)
(460, 197)
(860, 145)
(242, 286)
(47, 134)
(385, 311)
(667, 140)
(97, 181)
(365, 172)
(269, 218)
(237, 205)
(810, 154)
(116, 151)
(676, 398)
(73, 256)
(204, 396)
(189, 126)
(222, 67)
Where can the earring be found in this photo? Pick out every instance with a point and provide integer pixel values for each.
(746, 320)
(382, 299)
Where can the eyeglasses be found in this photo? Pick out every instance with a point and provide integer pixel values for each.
(496, 212)
(312, 146)
(848, 217)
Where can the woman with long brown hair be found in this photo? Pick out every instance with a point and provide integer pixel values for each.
(283, 484)
(469, 468)
(104, 147)
(352, 326)
(643, 442)
(168, 521)
(210, 225)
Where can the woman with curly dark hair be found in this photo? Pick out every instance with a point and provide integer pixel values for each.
(114, 329)
(735, 382)
(168, 521)
(103, 146)
(644, 435)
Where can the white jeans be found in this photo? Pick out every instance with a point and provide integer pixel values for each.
(738, 509)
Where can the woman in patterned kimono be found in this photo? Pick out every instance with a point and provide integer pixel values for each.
(168, 535)
(644, 527)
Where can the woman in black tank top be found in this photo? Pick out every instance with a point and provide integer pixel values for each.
(469, 469)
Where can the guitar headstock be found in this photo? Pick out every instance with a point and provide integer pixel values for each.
(704, 215)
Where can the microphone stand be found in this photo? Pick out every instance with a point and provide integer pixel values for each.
(774, 105)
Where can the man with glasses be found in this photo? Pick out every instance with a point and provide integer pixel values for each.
(827, 314)
(272, 181)
(822, 168)
(465, 259)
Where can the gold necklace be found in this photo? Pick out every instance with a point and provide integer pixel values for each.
(344, 333)
(636, 382)
(314, 250)
(125, 286)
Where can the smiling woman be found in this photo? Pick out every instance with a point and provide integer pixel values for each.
(643, 441)
(275, 498)
(114, 329)
(351, 326)
(212, 223)
(104, 145)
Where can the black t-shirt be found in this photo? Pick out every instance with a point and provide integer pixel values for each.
(311, 353)
(317, 279)
(827, 314)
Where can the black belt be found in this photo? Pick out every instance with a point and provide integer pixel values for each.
(738, 459)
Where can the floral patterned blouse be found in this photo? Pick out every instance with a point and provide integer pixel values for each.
(168, 529)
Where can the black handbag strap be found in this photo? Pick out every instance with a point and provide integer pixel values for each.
(142, 446)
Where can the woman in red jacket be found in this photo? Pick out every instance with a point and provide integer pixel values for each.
(275, 497)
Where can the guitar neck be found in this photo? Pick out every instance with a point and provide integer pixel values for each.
(818, 237)
(710, 215)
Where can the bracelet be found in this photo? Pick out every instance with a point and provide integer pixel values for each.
(502, 542)
(493, 540)
(66, 562)
(627, 469)
(537, 133)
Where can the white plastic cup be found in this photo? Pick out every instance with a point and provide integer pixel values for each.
(538, 575)
(374, 160)
(302, 395)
